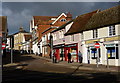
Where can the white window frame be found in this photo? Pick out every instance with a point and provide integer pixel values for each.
(95, 33)
(111, 31)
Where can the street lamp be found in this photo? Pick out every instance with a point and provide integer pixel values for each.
(51, 45)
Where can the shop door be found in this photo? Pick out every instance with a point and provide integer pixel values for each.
(58, 54)
(66, 50)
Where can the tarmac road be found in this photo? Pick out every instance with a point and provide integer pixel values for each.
(40, 70)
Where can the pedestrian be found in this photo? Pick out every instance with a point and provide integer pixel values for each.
(55, 57)
(80, 57)
(69, 57)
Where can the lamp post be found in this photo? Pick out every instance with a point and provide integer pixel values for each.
(51, 45)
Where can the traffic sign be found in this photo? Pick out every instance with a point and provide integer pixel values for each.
(3, 46)
(97, 45)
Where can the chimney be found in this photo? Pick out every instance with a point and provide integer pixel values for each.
(21, 29)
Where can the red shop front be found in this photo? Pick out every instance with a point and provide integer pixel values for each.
(59, 49)
(73, 49)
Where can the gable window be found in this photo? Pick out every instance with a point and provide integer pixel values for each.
(111, 30)
(63, 20)
(95, 33)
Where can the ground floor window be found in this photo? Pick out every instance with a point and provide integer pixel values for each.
(112, 52)
(94, 53)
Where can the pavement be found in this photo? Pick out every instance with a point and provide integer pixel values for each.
(75, 65)
(83, 66)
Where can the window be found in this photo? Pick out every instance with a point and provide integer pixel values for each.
(112, 54)
(72, 37)
(54, 36)
(63, 20)
(95, 33)
(112, 30)
(60, 35)
(94, 53)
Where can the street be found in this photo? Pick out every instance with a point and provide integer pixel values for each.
(40, 70)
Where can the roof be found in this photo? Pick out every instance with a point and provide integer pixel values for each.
(27, 37)
(80, 22)
(20, 32)
(101, 19)
(62, 27)
(104, 18)
(42, 19)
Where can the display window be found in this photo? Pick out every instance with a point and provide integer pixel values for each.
(94, 53)
(112, 53)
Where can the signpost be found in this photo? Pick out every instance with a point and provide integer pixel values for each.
(97, 46)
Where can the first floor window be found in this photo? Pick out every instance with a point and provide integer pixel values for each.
(111, 30)
(95, 33)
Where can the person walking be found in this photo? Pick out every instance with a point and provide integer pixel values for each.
(80, 57)
(69, 57)
(55, 57)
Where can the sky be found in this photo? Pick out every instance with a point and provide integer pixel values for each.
(19, 14)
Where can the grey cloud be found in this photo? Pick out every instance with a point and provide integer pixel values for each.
(20, 13)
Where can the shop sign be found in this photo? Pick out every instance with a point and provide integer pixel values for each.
(58, 46)
(71, 45)
(110, 45)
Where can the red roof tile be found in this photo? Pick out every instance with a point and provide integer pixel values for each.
(80, 22)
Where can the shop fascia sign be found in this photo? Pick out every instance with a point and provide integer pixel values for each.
(110, 45)
(58, 46)
(70, 45)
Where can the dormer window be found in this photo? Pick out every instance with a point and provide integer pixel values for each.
(63, 20)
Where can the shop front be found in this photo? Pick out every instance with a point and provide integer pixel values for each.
(73, 49)
(59, 49)
(112, 54)
(94, 54)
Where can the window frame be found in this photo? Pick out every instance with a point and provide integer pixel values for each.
(112, 30)
(95, 33)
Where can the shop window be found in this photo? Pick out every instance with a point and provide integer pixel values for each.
(111, 53)
(112, 30)
(94, 53)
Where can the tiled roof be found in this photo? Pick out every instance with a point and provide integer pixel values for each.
(101, 19)
(104, 18)
(39, 19)
(80, 22)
